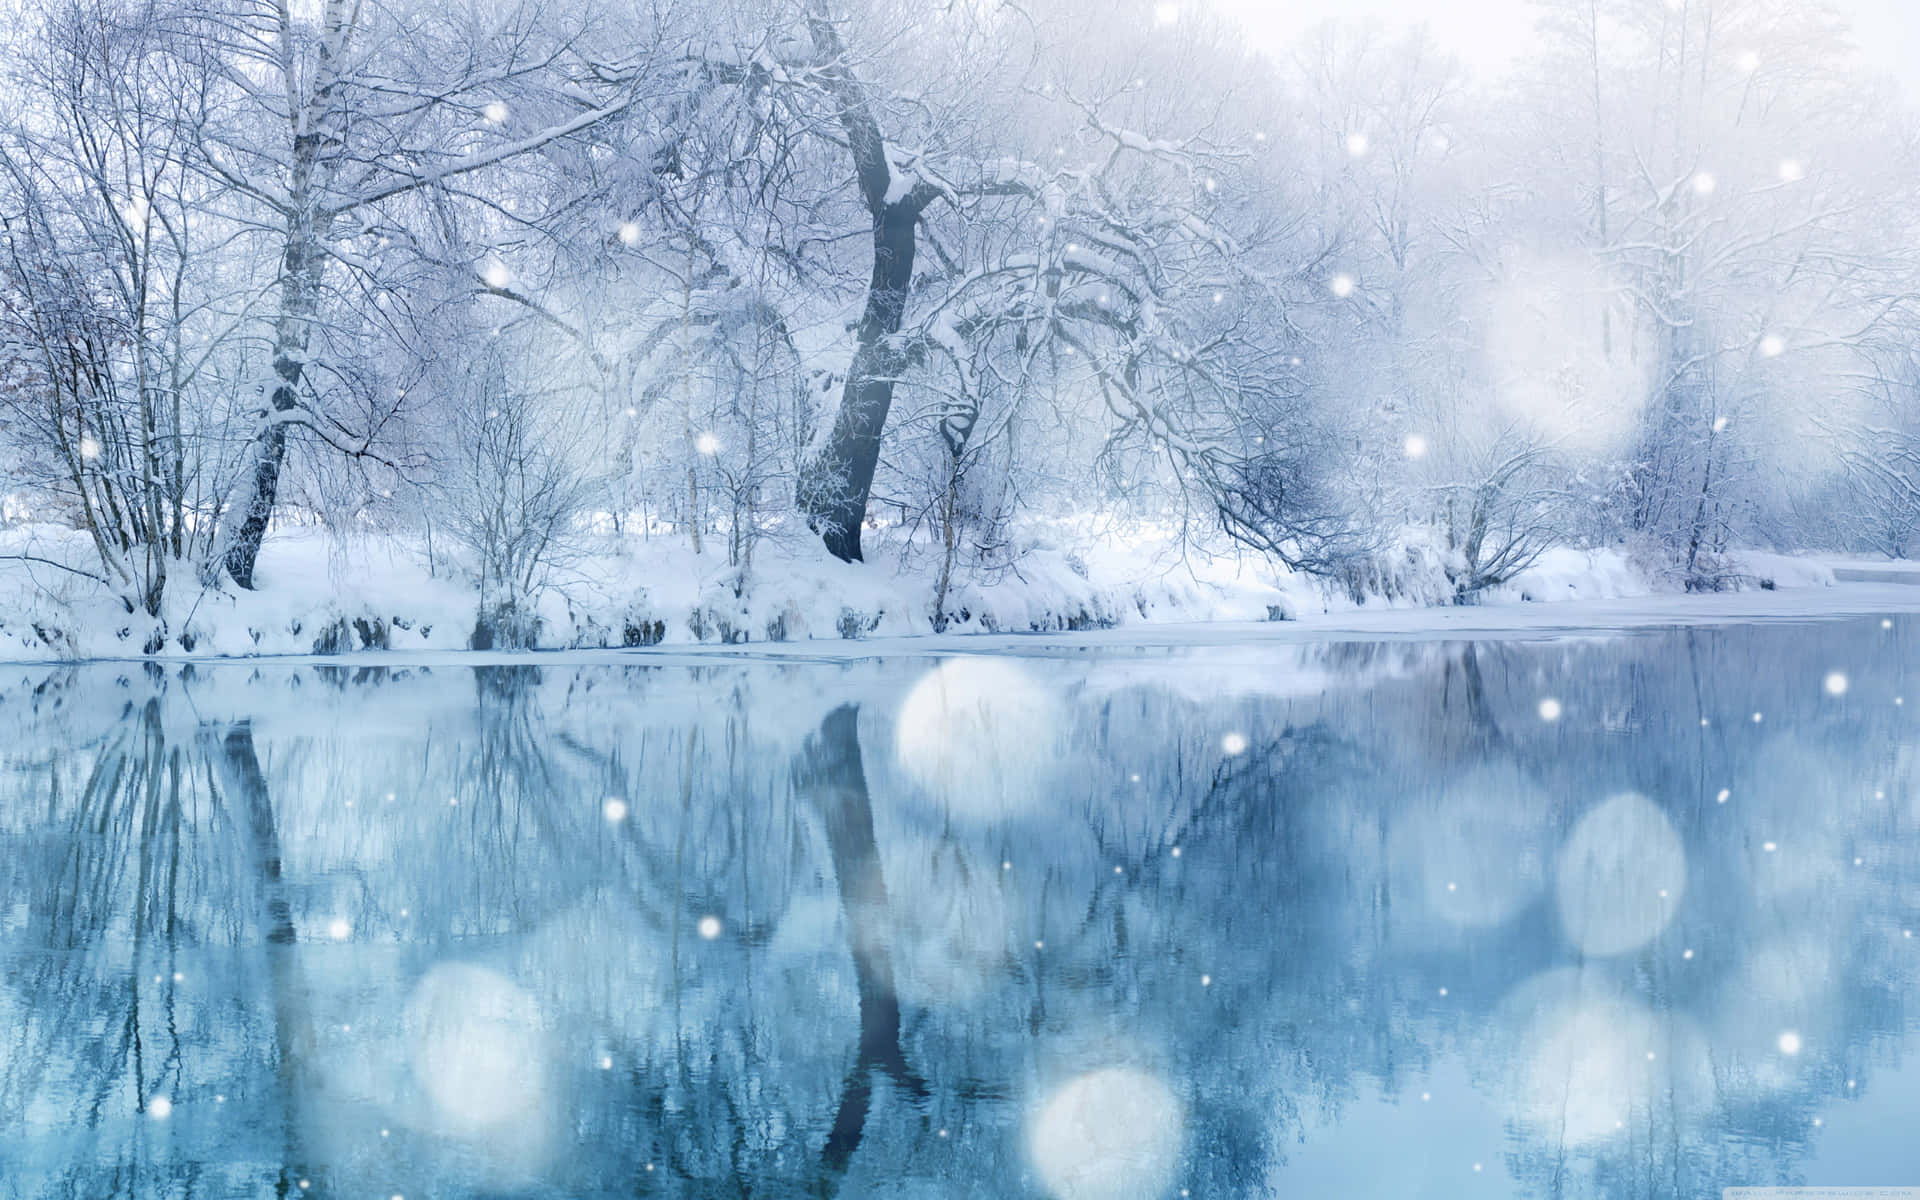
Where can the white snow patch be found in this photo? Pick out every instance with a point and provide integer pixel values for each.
(318, 596)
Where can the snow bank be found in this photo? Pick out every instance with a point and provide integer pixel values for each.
(317, 595)
(1563, 573)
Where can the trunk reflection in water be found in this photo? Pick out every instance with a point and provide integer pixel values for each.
(829, 775)
(1347, 919)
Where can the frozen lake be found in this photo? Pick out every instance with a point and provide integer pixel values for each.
(1616, 912)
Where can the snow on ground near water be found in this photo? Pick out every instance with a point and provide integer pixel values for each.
(317, 595)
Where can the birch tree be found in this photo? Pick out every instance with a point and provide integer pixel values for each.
(357, 117)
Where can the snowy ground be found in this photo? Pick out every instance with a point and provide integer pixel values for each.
(319, 597)
(1509, 620)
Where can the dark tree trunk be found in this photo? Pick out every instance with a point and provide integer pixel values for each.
(835, 486)
(838, 483)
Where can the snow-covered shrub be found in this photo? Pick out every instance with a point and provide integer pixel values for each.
(511, 488)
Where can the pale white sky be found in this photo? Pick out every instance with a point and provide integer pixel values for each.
(1489, 33)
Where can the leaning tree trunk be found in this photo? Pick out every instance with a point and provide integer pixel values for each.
(301, 258)
(291, 333)
(835, 485)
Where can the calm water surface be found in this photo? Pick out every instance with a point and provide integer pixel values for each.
(1335, 920)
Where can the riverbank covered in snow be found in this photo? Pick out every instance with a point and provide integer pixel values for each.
(318, 595)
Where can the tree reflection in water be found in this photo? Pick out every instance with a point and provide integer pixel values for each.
(699, 931)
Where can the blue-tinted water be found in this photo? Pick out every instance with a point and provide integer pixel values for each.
(1340, 920)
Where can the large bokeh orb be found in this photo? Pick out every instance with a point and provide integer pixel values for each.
(980, 735)
(478, 1048)
(1112, 1134)
(1620, 876)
